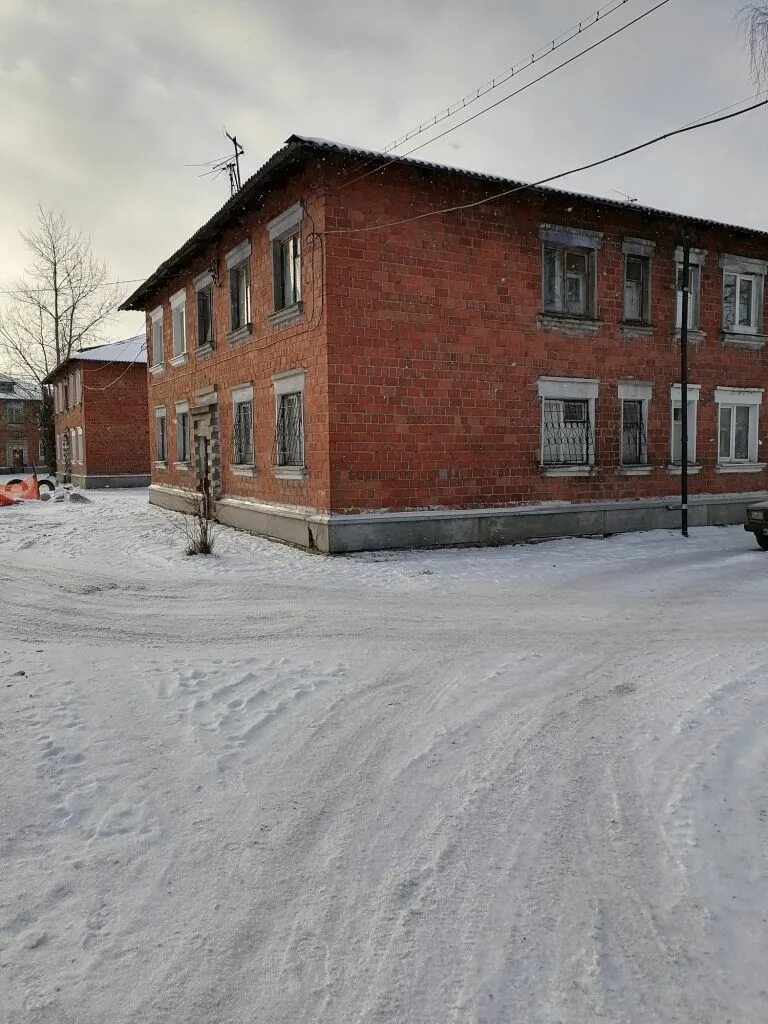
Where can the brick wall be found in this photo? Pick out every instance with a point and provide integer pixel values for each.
(113, 417)
(435, 349)
(25, 434)
(266, 351)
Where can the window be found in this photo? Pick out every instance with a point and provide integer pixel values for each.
(288, 284)
(238, 268)
(182, 433)
(65, 394)
(740, 303)
(743, 281)
(15, 413)
(637, 280)
(289, 430)
(157, 354)
(73, 444)
(738, 411)
(204, 293)
(80, 452)
(567, 421)
(635, 399)
(569, 264)
(285, 238)
(161, 435)
(242, 426)
(677, 423)
(566, 281)
(179, 324)
(698, 257)
(78, 387)
(41, 456)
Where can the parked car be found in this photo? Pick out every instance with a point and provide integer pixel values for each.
(46, 481)
(757, 522)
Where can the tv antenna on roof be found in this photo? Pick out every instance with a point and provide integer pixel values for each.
(630, 199)
(226, 164)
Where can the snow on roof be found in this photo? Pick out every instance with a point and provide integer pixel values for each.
(129, 350)
(18, 389)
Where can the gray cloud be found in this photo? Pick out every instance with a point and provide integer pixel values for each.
(105, 103)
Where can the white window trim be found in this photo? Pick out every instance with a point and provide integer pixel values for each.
(289, 381)
(638, 247)
(286, 223)
(238, 255)
(741, 267)
(676, 395)
(203, 280)
(155, 318)
(753, 398)
(580, 389)
(178, 298)
(634, 391)
(161, 413)
(698, 257)
(242, 393)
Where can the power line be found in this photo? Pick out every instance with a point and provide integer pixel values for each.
(509, 96)
(104, 284)
(515, 69)
(553, 177)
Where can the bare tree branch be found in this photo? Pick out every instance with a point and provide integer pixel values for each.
(61, 305)
(63, 302)
(753, 19)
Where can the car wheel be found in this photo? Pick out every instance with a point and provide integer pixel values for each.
(762, 540)
(46, 484)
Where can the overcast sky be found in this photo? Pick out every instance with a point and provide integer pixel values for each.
(105, 104)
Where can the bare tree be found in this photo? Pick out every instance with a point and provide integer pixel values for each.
(61, 305)
(753, 18)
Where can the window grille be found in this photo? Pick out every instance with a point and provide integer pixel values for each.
(567, 433)
(289, 441)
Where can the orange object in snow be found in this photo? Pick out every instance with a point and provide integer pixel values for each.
(28, 489)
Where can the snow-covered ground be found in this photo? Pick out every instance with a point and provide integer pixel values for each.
(522, 785)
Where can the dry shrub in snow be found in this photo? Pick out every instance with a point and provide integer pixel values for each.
(198, 525)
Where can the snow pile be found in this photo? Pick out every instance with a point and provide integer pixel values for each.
(516, 785)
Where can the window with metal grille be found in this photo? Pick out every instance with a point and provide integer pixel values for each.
(242, 434)
(566, 433)
(568, 281)
(636, 288)
(287, 271)
(289, 441)
(634, 449)
(239, 296)
(205, 316)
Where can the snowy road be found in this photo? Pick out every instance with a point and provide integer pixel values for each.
(523, 785)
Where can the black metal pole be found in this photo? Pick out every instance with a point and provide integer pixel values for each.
(684, 389)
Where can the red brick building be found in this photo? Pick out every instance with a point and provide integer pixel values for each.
(372, 354)
(100, 415)
(20, 404)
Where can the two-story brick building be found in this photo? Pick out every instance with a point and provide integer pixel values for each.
(100, 415)
(20, 404)
(368, 354)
